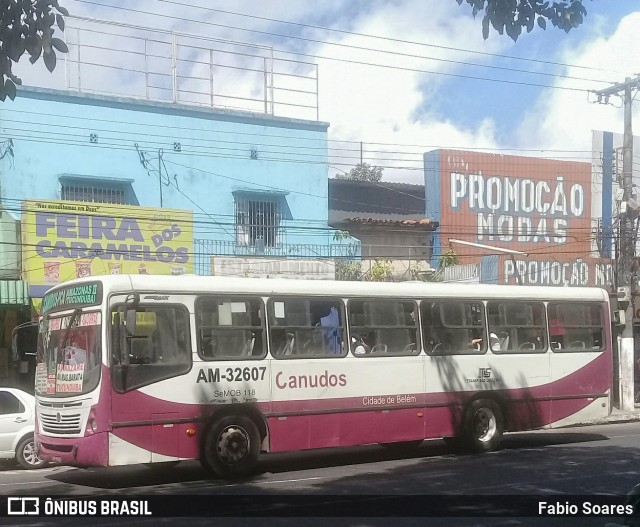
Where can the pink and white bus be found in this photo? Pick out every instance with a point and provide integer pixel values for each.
(145, 369)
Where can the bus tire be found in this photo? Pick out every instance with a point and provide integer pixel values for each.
(232, 446)
(483, 425)
(27, 455)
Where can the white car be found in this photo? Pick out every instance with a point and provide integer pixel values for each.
(17, 424)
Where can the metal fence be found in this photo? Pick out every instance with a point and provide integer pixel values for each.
(160, 65)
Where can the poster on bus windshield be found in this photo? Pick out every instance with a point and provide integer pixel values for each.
(63, 240)
(70, 353)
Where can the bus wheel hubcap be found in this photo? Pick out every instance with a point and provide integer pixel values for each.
(233, 445)
(484, 424)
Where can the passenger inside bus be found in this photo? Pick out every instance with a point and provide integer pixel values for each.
(306, 327)
(359, 346)
(556, 332)
(494, 342)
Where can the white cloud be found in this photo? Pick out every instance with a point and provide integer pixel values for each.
(564, 119)
(369, 104)
(381, 105)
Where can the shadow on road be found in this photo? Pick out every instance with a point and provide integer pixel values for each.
(374, 483)
(168, 478)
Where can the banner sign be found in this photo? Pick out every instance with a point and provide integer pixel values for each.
(65, 239)
(74, 296)
(563, 272)
(295, 268)
(536, 206)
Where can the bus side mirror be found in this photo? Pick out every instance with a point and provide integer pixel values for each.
(130, 322)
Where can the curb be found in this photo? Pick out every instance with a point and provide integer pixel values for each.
(610, 419)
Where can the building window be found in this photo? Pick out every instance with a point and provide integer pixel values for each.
(258, 222)
(92, 193)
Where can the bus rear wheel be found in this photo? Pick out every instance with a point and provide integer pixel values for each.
(483, 425)
(232, 446)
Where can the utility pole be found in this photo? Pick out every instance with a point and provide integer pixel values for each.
(626, 268)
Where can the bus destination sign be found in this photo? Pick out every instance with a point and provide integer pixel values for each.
(73, 296)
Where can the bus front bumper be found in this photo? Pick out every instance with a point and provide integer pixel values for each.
(88, 451)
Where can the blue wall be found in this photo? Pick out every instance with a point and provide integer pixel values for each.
(52, 137)
(432, 200)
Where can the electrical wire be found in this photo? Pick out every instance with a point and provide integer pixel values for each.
(343, 60)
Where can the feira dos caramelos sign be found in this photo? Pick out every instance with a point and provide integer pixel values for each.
(63, 240)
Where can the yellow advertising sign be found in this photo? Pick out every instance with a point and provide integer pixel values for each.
(63, 240)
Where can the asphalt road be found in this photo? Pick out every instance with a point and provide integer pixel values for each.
(551, 464)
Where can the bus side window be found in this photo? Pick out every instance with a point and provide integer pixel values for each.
(453, 327)
(160, 348)
(383, 327)
(230, 328)
(518, 327)
(576, 327)
(306, 328)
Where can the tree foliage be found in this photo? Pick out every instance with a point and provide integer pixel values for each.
(27, 25)
(448, 258)
(511, 16)
(363, 172)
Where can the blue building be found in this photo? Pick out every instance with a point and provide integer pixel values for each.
(256, 183)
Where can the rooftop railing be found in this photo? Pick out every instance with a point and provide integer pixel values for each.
(126, 60)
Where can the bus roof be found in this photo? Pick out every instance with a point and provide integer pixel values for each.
(193, 284)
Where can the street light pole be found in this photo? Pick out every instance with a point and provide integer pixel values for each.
(626, 279)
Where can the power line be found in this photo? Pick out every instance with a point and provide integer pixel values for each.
(348, 61)
(355, 150)
(389, 39)
(358, 48)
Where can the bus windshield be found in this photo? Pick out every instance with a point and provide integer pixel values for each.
(69, 351)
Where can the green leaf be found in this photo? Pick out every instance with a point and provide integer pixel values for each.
(542, 22)
(62, 10)
(3, 92)
(59, 45)
(10, 89)
(485, 27)
(31, 44)
(50, 60)
(46, 43)
(36, 55)
(60, 22)
(16, 49)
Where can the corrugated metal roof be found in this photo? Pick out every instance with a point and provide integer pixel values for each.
(421, 222)
(367, 197)
(14, 292)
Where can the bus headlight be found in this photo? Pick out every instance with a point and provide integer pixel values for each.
(92, 426)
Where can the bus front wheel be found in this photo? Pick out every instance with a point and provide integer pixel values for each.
(483, 425)
(232, 446)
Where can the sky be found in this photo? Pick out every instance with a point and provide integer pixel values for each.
(397, 78)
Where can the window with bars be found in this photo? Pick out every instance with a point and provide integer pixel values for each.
(258, 222)
(92, 193)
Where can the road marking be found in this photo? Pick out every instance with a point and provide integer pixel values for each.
(17, 483)
(270, 482)
(24, 472)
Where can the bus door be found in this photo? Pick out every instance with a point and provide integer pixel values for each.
(150, 353)
(580, 360)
